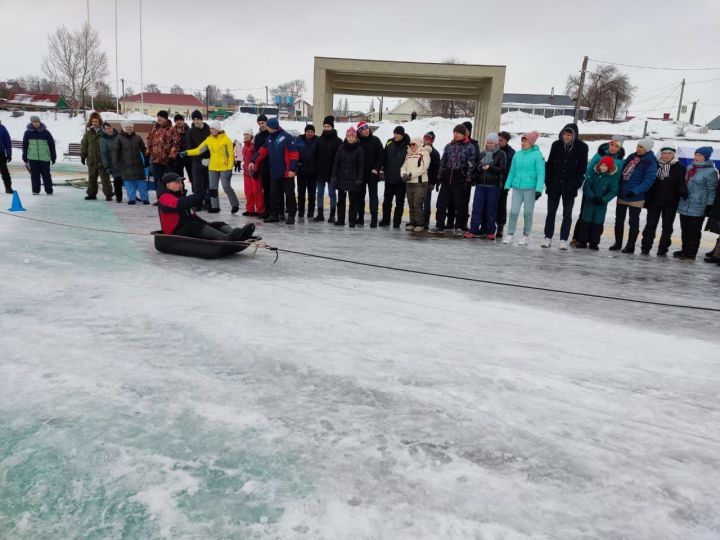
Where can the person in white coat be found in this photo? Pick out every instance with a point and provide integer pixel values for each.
(414, 172)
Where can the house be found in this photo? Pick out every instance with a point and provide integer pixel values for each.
(302, 109)
(35, 102)
(714, 124)
(547, 105)
(402, 112)
(153, 102)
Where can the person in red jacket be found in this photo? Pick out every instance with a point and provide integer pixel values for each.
(178, 217)
(254, 202)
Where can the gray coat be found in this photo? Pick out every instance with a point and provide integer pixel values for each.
(128, 153)
(701, 189)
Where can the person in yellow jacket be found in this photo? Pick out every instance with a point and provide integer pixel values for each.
(222, 161)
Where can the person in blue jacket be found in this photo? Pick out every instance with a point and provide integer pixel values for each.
(281, 152)
(636, 178)
(5, 158)
(697, 196)
(307, 171)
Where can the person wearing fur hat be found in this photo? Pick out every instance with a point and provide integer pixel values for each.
(488, 183)
(327, 146)
(637, 176)
(393, 159)
(163, 147)
(90, 156)
(198, 132)
(414, 173)
(347, 177)
(307, 171)
(696, 201)
(457, 167)
(222, 159)
(601, 186)
(428, 142)
(526, 180)
(373, 157)
(564, 175)
(614, 149)
(128, 162)
(38, 153)
(661, 201)
(254, 203)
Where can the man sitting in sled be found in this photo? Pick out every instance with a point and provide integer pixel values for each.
(178, 217)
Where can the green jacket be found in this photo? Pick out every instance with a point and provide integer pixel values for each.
(90, 147)
(38, 144)
(603, 185)
(106, 144)
(527, 170)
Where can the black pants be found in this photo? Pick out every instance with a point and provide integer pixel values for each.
(283, 195)
(182, 165)
(200, 180)
(238, 164)
(456, 194)
(579, 222)
(356, 200)
(267, 194)
(217, 230)
(306, 184)
(372, 188)
(118, 187)
(691, 230)
(590, 233)
(552, 207)
(40, 169)
(5, 173)
(502, 208)
(427, 203)
(654, 215)
(621, 210)
(397, 192)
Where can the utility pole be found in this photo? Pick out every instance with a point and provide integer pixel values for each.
(581, 87)
(692, 113)
(123, 91)
(682, 91)
(381, 109)
(142, 97)
(267, 96)
(207, 101)
(117, 96)
(617, 95)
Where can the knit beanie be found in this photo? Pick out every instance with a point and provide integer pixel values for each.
(351, 131)
(468, 125)
(647, 143)
(705, 151)
(416, 140)
(262, 118)
(399, 130)
(492, 137)
(667, 149)
(273, 123)
(618, 138)
(126, 123)
(178, 117)
(608, 162)
(248, 132)
(163, 114)
(531, 137)
(216, 125)
(196, 115)
(34, 118)
(329, 120)
(362, 125)
(170, 177)
(309, 127)
(460, 128)
(430, 135)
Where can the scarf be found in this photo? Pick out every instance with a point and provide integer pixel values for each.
(627, 173)
(488, 157)
(664, 169)
(692, 171)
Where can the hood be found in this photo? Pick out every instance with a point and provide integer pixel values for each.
(42, 127)
(610, 171)
(572, 127)
(92, 116)
(604, 150)
(425, 150)
(106, 136)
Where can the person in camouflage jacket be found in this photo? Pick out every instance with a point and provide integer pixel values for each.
(90, 156)
(163, 147)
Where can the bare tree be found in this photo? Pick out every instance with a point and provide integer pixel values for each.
(129, 91)
(606, 91)
(214, 95)
(177, 89)
(295, 89)
(450, 108)
(152, 88)
(75, 62)
(33, 83)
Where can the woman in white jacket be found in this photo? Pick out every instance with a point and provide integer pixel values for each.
(414, 173)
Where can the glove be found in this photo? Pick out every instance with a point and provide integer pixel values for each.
(8, 160)
(405, 177)
(205, 162)
(110, 171)
(538, 194)
(597, 201)
(182, 154)
(82, 160)
(53, 162)
(708, 210)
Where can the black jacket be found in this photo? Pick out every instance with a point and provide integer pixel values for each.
(347, 171)
(395, 153)
(373, 151)
(307, 161)
(183, 137)
(263, 171)
(128, 153)
(194, 137)
(566, 165)
(328, 143)
(509, 153)
(496, 171)
(666, 191)
(434, 167)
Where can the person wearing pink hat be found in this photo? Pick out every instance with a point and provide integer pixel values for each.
(526, 180)
(347, 177)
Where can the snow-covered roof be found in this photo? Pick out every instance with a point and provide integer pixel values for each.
(158, 98)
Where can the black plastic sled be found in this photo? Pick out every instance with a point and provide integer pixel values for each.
(197, 247)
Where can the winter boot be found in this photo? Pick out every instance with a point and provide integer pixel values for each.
(499, 233)
(319, 217)
(630, 246)
(331, 219)
(91, 197)
(272, 219)
(8, 186)
(311, 211)
(373, 221)
(234, 209)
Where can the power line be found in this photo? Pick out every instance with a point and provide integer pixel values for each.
(655, 67)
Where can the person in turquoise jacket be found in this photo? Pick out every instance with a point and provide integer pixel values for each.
(696, 199)
(526, 179)
(601, 187)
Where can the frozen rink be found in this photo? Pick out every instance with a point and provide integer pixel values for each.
(149, 396)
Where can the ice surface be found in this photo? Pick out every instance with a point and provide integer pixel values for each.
(150, 396)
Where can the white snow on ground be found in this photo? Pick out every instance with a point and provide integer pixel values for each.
(150, 396)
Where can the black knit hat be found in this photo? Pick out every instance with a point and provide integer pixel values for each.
(460, 128)
(468, 125)
(262, 118)
(163, 114)
(430, 135)
(170, 177)
(504, 135)
(179, 116)
(399, 130)
(329, 120)
(309, 127)
(196, 115)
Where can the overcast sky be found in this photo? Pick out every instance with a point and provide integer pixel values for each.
(247, 45)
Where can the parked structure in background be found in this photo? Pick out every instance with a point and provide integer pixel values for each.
(547, 105)
(155, 101)
(34, 102)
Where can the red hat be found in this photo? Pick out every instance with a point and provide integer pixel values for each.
(362, 125)
(608, 162)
